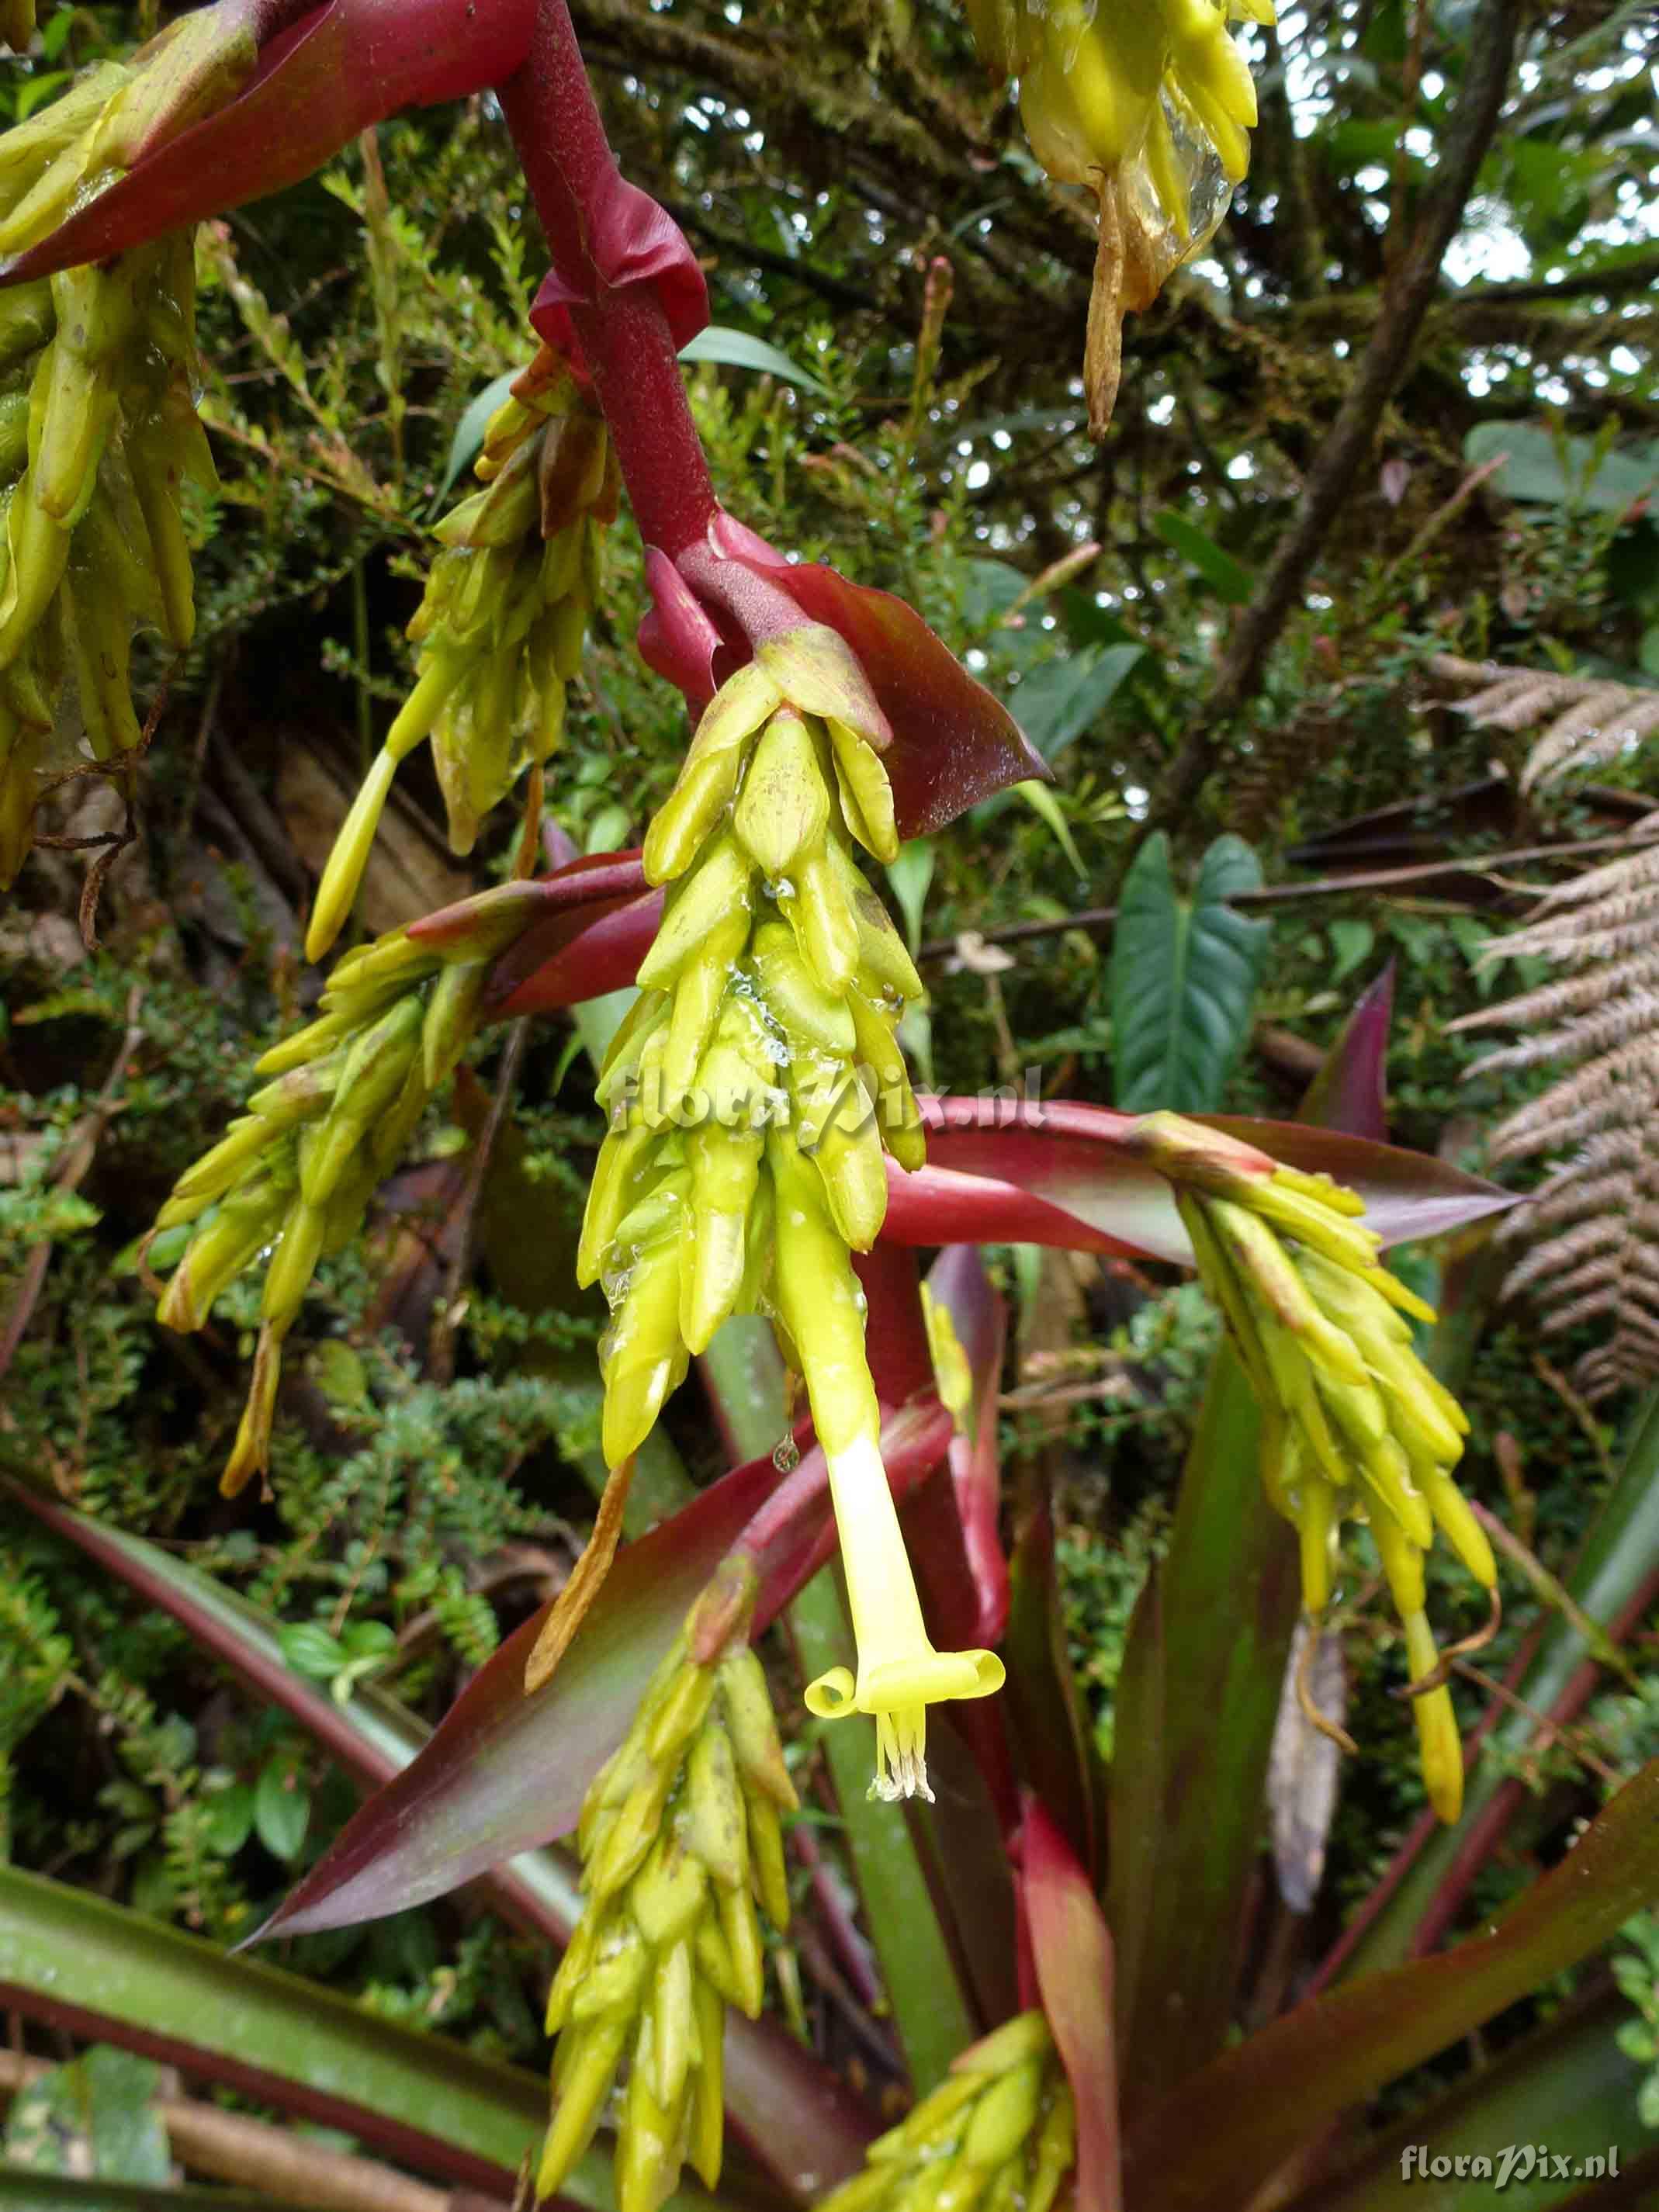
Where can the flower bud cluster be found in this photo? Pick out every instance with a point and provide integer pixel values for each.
(1354, 1425)
(98, 437)
(680, 1840)
(292, 1178)
(998, 2135)
(772, 994)
(502, 625)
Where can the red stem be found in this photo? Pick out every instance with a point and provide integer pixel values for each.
(624, 335)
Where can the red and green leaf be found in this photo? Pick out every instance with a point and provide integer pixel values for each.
(95, 1970)
(1038, 1171)
(794, 2115)
(979, 1314)
(1072, 1953)
(345, 66)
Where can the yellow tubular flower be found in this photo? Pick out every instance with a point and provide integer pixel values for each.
(899, 1672)
(1354, 1425)
(751, 1095)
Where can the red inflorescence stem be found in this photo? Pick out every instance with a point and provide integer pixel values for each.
(625, 333)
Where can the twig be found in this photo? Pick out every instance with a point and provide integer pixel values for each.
(1564, 1736)
(1596, 1641)
(1321, 1723)
(1455, 1655)
(1581, 1412)
(1329, 482)
(1416, 872)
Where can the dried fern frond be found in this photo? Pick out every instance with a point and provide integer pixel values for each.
(1592, 1231)
(1591, 719)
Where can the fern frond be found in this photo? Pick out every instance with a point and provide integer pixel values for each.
(1589, 1237)
(1592, 720)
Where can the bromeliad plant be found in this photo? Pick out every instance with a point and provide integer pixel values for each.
(765, 1160)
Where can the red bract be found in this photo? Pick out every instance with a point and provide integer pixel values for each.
(1038, 1171)
(958, 1280)
(630, 239)
(1072, 1952)
(347, 65)
(587, 924)
(952, 743)
(504, 1771)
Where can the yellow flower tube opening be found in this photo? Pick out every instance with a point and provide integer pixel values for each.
(899, 1672)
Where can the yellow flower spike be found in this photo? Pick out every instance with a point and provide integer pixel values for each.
(900, 1675)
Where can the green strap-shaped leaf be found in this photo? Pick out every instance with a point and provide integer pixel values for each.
(1567, 2089)
(1228, 578)
(91, 1965)
(1211, 2141)
(1183, 974)
(730, 348)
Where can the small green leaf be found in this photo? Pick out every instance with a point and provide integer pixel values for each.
(468, 440)
(1228, 578)
(369, 1639)
(1042, 801)
(310, 1649)
(909, 877)
(282, 1807)
(230, 1820)
(97, 2113)
(1184, 976)
(1062, 698)
(730, 348)
(1352, 942)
